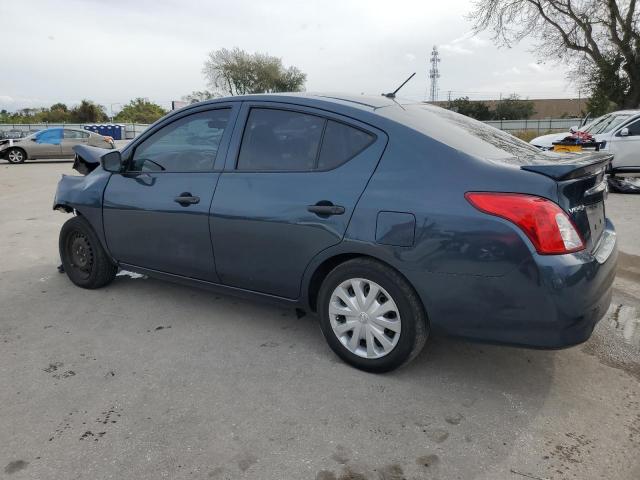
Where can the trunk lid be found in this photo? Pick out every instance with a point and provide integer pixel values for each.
(582, 189)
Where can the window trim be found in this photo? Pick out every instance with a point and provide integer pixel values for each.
(131, 153)
(303, 110)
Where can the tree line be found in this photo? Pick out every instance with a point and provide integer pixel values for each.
(510, 108)
(138, 110)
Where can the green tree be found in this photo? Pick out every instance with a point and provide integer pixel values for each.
(599, 40)
(140, 110)
(477, 110)
(199, 96)
(57, 113)
(236, 72)
(87, 112)
(512, 108)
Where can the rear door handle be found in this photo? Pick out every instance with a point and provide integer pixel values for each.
(185, 199)
(326, 210)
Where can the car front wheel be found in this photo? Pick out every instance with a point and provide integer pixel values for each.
(371, 316)
(15, 155)
(83, 258)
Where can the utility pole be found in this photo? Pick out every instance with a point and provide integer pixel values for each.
(434, 74)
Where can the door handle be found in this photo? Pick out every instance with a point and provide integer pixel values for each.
(185, 199)
(326, 209)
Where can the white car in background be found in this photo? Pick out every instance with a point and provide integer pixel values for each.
(619, 133)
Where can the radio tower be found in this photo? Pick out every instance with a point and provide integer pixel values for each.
(434, 74)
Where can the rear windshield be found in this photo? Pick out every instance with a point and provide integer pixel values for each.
(470, 136)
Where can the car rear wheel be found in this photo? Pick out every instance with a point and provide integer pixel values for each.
(16, 155)
(371, 316)
(83, 258)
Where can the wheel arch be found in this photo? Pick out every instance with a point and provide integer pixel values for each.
(5, 153)
(320, 271)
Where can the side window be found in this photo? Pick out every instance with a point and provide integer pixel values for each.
(75, 135)
(341, 143)
(189, 144)
(634, 128)
(280, 140)
(52, 136)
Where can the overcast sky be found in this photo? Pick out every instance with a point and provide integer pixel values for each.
(114, 50)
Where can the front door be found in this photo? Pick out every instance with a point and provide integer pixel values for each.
(626, 149)
(46, 144)
(156, 213)
(292, 180)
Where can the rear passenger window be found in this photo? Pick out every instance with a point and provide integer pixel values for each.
(280, 140)
(341, 143)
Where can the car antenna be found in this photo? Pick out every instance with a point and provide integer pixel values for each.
(393, 94)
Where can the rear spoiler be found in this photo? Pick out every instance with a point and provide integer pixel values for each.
(581, 166)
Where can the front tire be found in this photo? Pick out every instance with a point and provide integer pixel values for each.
(16, 155)
(371, 316)
(83, 258)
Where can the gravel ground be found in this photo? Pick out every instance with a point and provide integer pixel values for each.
(150, 380)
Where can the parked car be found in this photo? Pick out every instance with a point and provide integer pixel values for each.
(50, 143)
(618, 132)
(13, 134)
(388, 220)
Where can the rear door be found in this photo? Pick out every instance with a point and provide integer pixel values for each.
(156, 213)
(70, 139)
(290, 185)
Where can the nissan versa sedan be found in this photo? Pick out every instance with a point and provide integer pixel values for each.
(389, 220)
(50, 143)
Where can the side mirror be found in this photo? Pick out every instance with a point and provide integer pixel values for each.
(574, 129)
(624, 132)
(112, 162)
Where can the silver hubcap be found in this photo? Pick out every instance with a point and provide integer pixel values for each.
(15, 156)
(364, 318)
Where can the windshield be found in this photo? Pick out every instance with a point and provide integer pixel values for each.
(606, 123)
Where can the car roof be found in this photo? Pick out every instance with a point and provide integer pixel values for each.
(626, 112)
(362, 102)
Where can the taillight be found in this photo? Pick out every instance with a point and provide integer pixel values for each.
(548, 227)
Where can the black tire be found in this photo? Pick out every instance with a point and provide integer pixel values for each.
(15, 155)
(84, 260)
(414, 323)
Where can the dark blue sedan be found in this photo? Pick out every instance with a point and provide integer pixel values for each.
(389, 220)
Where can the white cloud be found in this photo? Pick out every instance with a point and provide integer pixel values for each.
(455, 49)
(536, 67)
(507, 72)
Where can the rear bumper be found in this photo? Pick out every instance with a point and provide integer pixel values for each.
(550, 301)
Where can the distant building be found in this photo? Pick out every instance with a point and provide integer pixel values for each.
(547, 107)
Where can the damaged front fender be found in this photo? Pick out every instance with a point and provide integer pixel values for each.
(87, 158)
(84, 196)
